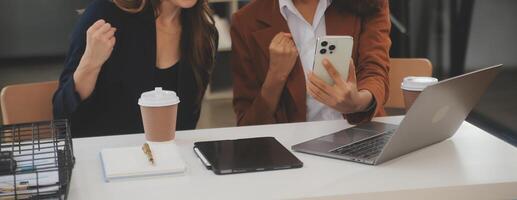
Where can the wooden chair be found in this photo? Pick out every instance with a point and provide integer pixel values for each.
(400, 68)
(25, 103)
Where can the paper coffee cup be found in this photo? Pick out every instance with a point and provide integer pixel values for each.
(159, 111)
(412, 86)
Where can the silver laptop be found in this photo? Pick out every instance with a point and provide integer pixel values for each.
(435, 115)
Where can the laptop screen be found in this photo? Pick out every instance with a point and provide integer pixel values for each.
(496, 111)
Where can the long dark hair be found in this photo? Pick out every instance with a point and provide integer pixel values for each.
(359, 7)
(198, 39)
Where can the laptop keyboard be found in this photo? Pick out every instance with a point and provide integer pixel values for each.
(369, 148)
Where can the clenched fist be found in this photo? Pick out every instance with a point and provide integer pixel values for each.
(100, 40)
(282, 54)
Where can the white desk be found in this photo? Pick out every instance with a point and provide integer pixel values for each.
(471, 157)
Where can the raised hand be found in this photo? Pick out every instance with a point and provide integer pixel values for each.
(282, 54)
(100, 40)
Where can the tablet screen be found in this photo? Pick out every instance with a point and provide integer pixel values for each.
(246, 155)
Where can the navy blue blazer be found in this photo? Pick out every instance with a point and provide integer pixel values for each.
(112, 107)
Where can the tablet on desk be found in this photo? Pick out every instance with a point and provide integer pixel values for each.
(245, 155)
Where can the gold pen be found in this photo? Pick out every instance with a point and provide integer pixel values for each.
(148, 152)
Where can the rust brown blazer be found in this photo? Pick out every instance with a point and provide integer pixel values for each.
(253, 28)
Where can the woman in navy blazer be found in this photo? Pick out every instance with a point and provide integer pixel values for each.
(122, 48)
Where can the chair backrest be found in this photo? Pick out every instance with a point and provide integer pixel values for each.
(400, 68)
(24, 103)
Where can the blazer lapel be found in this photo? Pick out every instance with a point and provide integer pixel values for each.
(274, 23)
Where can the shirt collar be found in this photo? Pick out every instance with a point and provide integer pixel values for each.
(288, 5)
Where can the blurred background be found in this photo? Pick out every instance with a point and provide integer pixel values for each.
(458, 36)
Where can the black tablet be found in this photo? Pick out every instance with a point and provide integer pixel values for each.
(245, 155)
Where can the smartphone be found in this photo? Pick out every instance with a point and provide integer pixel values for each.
(338, 50)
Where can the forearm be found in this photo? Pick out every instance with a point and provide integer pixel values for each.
(264, 105)
(85, 78)
(272, 88)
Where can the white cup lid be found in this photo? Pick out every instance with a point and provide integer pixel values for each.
(417, 83)
(158, 98)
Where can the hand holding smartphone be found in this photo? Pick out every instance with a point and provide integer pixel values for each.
(336, 49)
(342, 96)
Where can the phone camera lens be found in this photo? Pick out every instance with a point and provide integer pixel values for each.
(332, 47)
(324, 43)
(323, 51)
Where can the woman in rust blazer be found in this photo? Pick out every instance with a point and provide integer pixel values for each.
(270, 83)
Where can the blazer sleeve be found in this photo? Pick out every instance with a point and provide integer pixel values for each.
(372, 62)
(249, 105)
(66, 99)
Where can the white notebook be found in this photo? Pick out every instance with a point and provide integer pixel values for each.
(126, 162)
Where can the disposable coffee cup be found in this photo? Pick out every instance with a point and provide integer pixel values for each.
(412, 86)
(159, 110)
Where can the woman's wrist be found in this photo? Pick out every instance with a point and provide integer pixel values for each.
(273, 84)
(364, 101)
(88, 60)
(86, 70)
(85, 77)
(272, 88)
(88, 65)
(277, 76)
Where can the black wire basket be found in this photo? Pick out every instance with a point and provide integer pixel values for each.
(36, 160)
